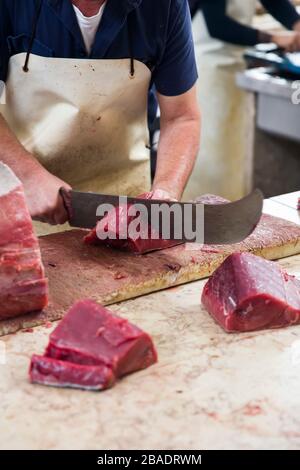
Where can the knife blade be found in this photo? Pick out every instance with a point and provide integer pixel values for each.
(220, 224)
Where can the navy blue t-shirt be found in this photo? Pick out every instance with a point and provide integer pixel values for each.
(160, 32)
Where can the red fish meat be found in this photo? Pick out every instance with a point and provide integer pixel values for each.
(120, 219)
(23, 286)
(47, 371)
(91, 336)
(248, 293)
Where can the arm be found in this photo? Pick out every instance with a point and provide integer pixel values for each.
(283, 11)
(175, 79)
(179, 142)
(222, 27)
(41, 187)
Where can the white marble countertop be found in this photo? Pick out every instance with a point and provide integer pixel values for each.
(209, 390)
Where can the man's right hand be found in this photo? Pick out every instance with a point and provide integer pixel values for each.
(41, 187)
(42, 194)
(287, 40)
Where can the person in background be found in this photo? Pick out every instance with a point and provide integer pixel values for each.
(225, 28)
(222, 29)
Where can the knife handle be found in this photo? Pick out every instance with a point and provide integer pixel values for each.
(66, 197)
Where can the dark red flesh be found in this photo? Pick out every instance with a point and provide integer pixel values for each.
(248, 293)
(135, 245)
(47, 371)
(23, 286)
(90, 335)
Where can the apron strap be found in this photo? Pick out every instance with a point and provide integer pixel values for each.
(130, 45)
(33, 34)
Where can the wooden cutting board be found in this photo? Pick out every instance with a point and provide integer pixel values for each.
(78, 271)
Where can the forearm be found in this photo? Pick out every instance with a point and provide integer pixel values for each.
(283, 11)
(223, 27)
(13, 153)
(177, 152)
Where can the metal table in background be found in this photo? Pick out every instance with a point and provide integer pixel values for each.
(276, 153)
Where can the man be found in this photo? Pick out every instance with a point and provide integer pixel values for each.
(77, 76)
(222, 29)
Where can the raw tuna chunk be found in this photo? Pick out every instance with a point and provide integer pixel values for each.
(47, 371)
(90, 334)
(91, 348)
(248, 293)
(135, 245)
(23, 287)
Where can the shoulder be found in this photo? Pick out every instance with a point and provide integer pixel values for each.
(160, 7)
(16, 7)
(161, 14)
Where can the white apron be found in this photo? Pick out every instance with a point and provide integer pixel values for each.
(84, 120)
(224, 164)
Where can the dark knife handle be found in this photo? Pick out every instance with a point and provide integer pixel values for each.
(67, 200)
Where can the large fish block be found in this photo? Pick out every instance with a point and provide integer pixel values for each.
(23, 286)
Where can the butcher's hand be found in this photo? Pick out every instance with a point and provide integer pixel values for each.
(42, 191)
(287, 40)
(162, 195)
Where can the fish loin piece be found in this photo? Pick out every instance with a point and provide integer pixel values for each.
(90, 334)
(248, 293)
(23, 286)
(120, 220)
(46, 371)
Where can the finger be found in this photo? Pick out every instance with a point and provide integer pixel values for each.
(40, 216)
(49, 219)
(65, 205)
(49, 216)
(61, 215)
(161, 194)
(57, 215)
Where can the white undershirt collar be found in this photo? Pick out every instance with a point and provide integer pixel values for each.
(89, 26)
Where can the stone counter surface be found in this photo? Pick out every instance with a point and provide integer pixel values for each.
(209, 390)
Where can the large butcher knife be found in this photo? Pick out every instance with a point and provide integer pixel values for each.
(220, 224)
